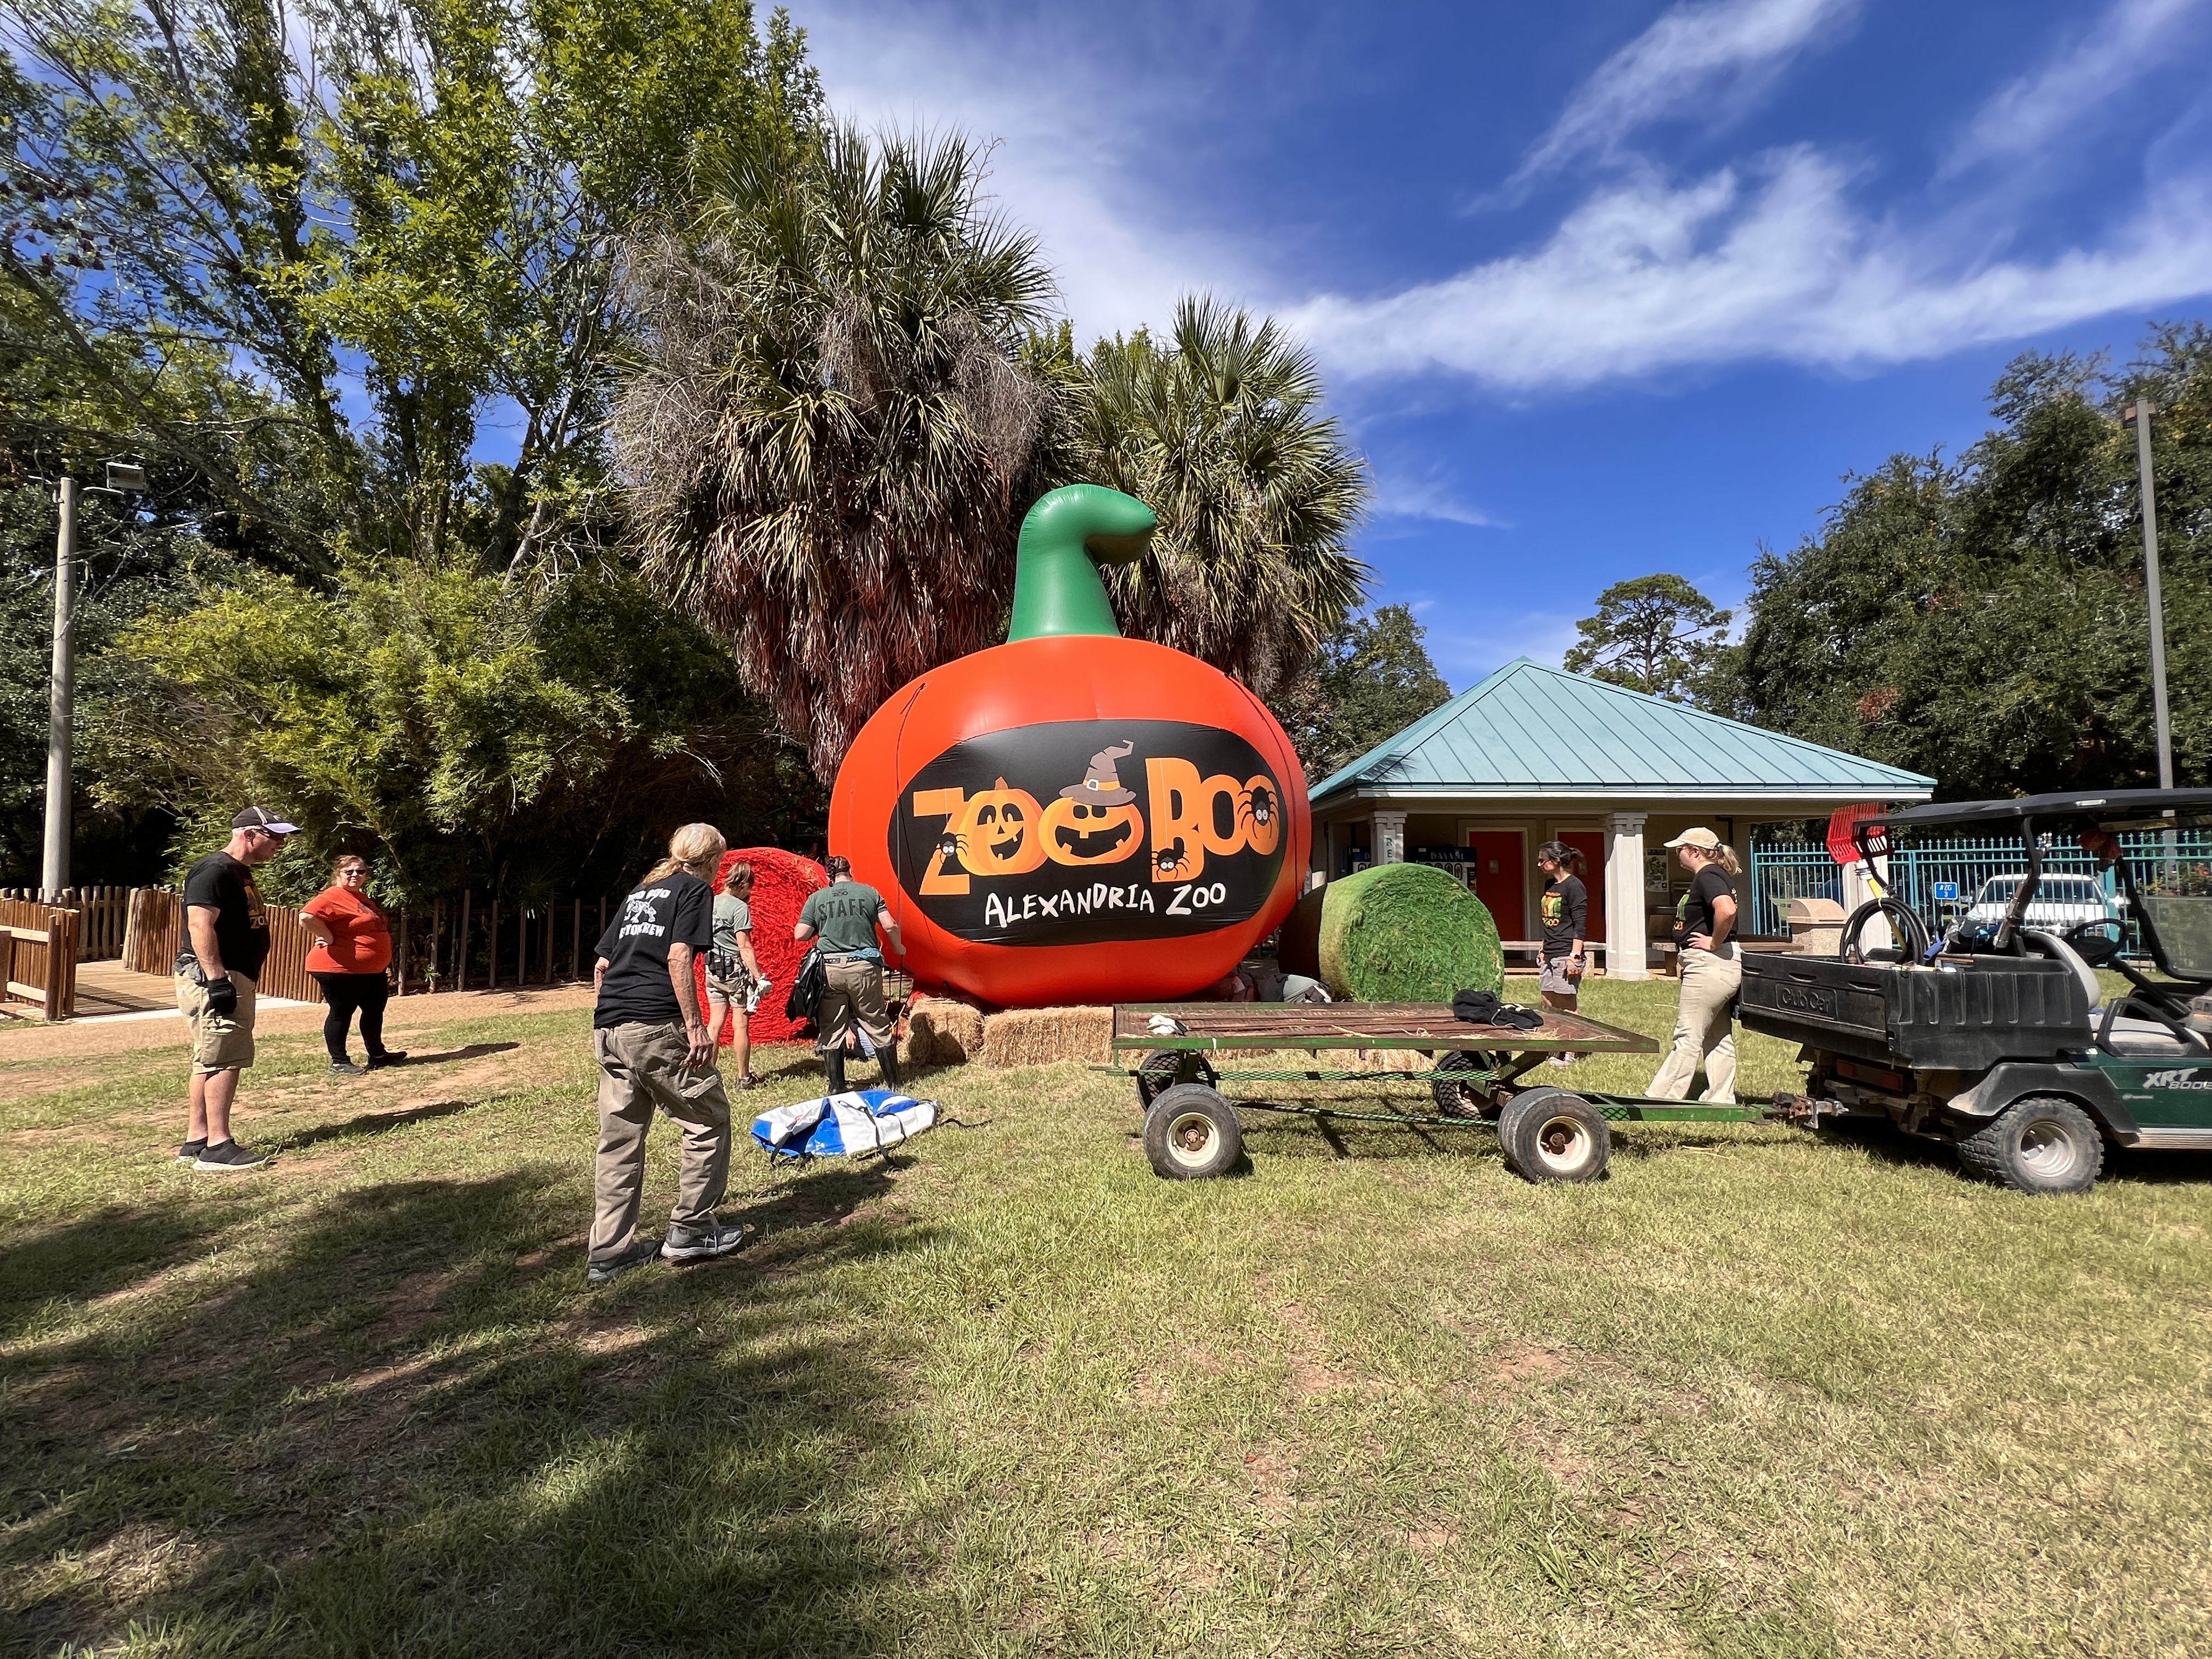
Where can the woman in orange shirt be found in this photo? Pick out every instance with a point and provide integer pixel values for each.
(353, 947)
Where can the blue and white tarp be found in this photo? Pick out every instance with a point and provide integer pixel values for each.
(858, 1120)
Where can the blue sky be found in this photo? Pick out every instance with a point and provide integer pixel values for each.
(1600, 288)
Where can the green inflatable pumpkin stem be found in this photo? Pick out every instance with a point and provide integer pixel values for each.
(1056, 586)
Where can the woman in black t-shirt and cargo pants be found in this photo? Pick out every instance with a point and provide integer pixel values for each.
(1712, 972)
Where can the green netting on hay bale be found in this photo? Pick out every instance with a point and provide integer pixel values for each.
(1406, 932)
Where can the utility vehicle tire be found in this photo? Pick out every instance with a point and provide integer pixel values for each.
(1553, 1135)
(2040, 1144)
(1191, 1133)
(1458, 1099)
(1158, 1073)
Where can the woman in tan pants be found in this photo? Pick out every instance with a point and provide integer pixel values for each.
(1712, 972)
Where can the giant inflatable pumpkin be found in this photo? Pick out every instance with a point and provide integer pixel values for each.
(1072, 815)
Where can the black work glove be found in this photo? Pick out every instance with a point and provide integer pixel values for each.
(223, 997)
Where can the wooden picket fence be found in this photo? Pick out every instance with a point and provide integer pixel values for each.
(103, 915)
(39, 945)
(458, 943)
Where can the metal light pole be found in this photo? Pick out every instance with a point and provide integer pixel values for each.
(60, 733)
(124, 478)
(2141, 411)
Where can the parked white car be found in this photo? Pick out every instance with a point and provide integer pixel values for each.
(2060, 902)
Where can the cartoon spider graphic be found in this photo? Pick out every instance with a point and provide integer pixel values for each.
(1173, 860)
(1257, 804)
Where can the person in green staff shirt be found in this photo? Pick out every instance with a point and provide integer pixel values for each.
(845, 914)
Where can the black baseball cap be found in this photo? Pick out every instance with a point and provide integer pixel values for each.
(260, 818)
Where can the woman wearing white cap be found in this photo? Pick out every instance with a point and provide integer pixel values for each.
(1705, 1027)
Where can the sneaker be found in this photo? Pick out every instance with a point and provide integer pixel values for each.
(613, 1266)
(226, 1155)
(1563, 1059)
(190, 1151)
(748, 1081)
(388, 1057)
(347, 1068)
(703, 1244)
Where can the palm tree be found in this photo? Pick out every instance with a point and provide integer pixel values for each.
(828, 440)
(1257, 492)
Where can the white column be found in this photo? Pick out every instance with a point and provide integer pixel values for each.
(1389, 838)
(1876, 935)
(1625, 942)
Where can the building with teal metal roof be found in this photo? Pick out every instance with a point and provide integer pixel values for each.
(1533, 754)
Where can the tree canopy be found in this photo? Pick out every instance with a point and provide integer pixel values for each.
(1371, 679)
(1984, 620)
(1656, 635)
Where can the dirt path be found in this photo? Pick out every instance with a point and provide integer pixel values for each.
(76, 1040)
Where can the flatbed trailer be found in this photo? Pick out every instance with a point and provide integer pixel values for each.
(1472, 1073)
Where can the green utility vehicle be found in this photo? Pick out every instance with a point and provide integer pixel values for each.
(2001, 1037)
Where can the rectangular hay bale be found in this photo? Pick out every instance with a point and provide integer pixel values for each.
(943, 1030)
(1041, 1037)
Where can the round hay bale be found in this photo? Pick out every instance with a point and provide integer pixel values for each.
(1407, 933)
(781, 884)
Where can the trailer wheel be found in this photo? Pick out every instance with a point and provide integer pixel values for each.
(1191, 1133)
(1458, 1099)
(1551, 1134)
(2038, 1144)
(1160, 1070)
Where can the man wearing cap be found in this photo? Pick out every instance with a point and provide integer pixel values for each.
(1704, 1029)
(226, 940)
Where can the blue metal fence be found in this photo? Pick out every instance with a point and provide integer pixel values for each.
(1939, 878)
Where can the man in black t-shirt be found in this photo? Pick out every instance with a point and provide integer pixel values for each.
(226, 942)
(655, 1050)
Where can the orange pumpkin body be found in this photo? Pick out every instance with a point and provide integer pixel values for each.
(1077, 818)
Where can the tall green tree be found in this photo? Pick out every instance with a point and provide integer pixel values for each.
(829, 437)
(1984, 619)
(513, 736)
(1220, 427)
(1656, 635)
(302, 254)
(1371, 678)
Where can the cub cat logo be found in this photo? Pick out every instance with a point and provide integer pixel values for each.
(1081, 832)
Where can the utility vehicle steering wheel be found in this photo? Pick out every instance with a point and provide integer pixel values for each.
(2097, 952)
(1904, 923)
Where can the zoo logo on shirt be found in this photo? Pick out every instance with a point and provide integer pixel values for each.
(1078, 832)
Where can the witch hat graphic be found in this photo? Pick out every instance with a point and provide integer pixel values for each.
(1102, 785)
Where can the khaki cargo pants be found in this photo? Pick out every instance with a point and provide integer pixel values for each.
(1705, 1028)
(854, 990)
(643, 1066)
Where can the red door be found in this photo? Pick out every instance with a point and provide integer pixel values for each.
(1501, 878)
(1590, 843)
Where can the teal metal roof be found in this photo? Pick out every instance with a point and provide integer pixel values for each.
(1530, 727)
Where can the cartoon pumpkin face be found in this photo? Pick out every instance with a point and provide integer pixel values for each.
(1087, 832)
(999, 833)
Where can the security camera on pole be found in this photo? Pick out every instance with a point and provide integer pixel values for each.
(122, 478)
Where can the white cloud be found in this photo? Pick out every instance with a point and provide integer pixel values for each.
(1065, 169)
(2031, 113)
(1678, 63)
(1771, 262)
(1430, 496)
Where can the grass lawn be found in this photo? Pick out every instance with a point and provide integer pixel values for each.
(1007, 1392)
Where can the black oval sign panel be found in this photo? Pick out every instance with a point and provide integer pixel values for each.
(1082, 832)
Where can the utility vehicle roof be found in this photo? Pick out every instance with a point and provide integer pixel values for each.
(2113, 808)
